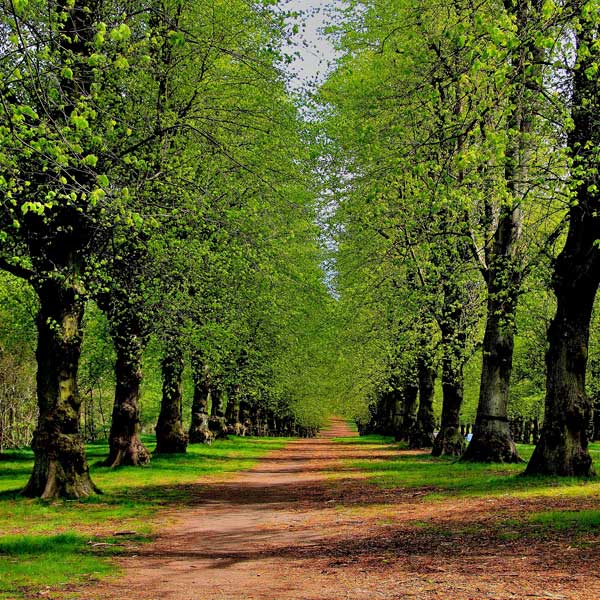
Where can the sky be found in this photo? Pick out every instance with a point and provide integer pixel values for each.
(315, 51)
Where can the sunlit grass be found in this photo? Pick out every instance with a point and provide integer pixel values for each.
(443, 477)
(48, 543)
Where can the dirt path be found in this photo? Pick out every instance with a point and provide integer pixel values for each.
(302, 526)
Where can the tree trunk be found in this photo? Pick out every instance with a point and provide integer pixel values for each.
(492, 440)
(126, 447)
(422, 434)
(453, 325)
(232, 414)
(246, 421)
(217, 422)
(200, 433)
(410, 393)
(449, 441)
(563, 445)
(170, 436)
(60, 469)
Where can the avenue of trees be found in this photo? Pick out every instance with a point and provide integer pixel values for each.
(466, 218)
(156, 211)
(188, 248)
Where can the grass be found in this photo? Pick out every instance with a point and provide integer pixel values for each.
(52, 544)
(446, 476)
(583, 520)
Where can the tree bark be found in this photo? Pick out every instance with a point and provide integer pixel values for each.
(453, 325)
(492, 440)
(246, 421)
(422, 434)
(563, 445)
(408, 408)
(200, 432)
(170, 436)
(60, 469)
(126, 447)
(449, 441)
(216, 422)
(232, 413)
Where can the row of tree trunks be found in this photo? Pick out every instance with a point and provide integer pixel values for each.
(525, 431)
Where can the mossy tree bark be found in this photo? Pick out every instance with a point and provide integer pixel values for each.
(170, 436)
(60, 469)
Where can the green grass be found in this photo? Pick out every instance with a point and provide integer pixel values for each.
(583, 520)
(52, 544)
(445, 476)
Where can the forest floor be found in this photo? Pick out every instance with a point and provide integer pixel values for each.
(355, 518)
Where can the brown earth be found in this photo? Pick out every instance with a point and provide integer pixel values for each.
(303, 525)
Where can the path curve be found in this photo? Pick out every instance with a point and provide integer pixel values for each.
(303, 525)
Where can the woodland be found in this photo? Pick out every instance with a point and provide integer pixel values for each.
(193, 252)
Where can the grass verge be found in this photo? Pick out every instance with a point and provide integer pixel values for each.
(49, 545)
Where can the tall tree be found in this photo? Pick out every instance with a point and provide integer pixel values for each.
(563, 446)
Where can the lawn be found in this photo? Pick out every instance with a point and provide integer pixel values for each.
(575, 501)
(53, 544)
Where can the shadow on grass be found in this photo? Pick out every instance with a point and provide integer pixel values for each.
(40, 544)
(447, 476)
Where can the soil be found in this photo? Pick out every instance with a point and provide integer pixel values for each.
(304, 525)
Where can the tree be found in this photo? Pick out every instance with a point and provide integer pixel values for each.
(563, 446)
(55, 207)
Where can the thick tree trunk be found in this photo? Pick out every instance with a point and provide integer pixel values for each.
(453, 325)
(60, 469)
(170, 436)
(408, 409)
(126, 447)
(216, 422)
(422, 434)
(563, 445)
(492, 440)
(200, 432)
(232, 413)
(449, 441)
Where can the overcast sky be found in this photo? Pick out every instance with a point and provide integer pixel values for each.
(315, 51)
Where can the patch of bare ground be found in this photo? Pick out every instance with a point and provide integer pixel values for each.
(304, 526)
